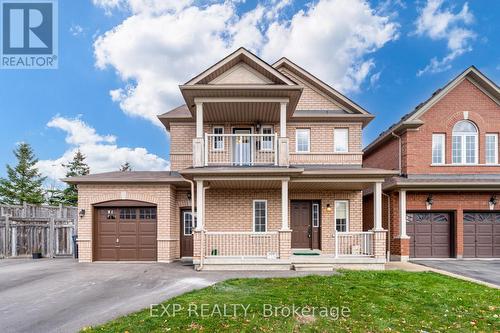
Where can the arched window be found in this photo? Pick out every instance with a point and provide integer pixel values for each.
(464, 143)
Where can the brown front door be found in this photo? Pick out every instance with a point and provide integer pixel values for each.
(481, 235)
(125, 234)
(301, 224)
(430, 235)
(187, 227)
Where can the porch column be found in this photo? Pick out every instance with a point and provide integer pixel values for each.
(402, 214)
(283, 155)
(200, 207)
(198, 142)
(283, 106)
(377, 206)
(199, 120)
(284, 205)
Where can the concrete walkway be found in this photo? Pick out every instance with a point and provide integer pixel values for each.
(61, 295)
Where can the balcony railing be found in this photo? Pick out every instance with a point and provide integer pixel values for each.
(353, 243)
(241, 149)
(241, 244)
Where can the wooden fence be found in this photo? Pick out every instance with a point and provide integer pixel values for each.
(28, 228)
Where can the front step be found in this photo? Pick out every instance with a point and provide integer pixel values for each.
(313, 267)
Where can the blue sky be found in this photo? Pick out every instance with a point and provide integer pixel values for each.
(120, 62)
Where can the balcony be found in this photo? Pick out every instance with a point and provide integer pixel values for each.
(241, 149)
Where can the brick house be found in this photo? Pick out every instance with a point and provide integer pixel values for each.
(268, 157)
(444, 201)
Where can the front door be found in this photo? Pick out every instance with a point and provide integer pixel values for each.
(301, 224)
(242, 146)
(187, 228)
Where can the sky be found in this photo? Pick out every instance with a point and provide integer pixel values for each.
(121, 61)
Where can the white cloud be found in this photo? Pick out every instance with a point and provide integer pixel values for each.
(103, 154)
(162, 44)
(440, 23)
(76, 30)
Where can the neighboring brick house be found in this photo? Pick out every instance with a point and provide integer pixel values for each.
(444, 202)
(270, 159)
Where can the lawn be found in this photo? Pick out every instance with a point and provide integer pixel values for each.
(352, 301)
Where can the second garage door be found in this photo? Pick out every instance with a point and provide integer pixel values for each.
(429, 235)
(482, 235)
(125, 234)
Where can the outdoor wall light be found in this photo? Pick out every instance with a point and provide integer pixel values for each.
(328, 208)
(493, 201)
(82, 213)
(189, 196)
(429, 202)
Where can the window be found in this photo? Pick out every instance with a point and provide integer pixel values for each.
(342, 216)
(259, 215)
(218, 141)
(315, 215)
(491, 148)
(267, 140)
(127, 213)
(464, 143)
(438, 144)
(110, 214)
(302, 140)
(341, 140)
(147, 213)
(188, 223)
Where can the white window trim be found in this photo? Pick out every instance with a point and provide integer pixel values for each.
(443, 160)
(184, 223)
(272, 140)
(253, 215)
(494, 135)
(335, 140)
(312, 213)
(347, 224)
(463, 140)
(222, 137)
(297, 140)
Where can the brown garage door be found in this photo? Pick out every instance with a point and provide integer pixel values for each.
(429, 234)
(482, 235)
(126, 233)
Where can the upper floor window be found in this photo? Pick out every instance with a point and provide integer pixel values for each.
(438, 148)
(302, 140)
(491, 148)
(267, 140)
(341, 140)
(465, 143)
(218, 141)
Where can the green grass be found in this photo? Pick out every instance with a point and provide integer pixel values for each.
(384, 301)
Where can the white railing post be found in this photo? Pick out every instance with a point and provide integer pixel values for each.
(275, 149)
(336, 244)
(206, 144)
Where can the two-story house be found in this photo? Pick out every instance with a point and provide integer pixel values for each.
(444, 203)
(268, 157)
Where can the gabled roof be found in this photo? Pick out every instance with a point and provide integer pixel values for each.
(180, 113)
(412, 119)
(345, 102)
(235, 58)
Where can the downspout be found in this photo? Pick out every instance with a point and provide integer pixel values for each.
(400, 150)
(388, 226)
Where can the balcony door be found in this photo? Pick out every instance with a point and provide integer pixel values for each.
(242, 146)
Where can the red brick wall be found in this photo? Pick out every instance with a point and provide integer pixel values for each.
(385, 156)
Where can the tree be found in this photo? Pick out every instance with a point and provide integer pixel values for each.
(126, 167)
(77, 167)
(24, 182)
(55, 196)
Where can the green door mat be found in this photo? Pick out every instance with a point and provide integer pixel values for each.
(306, 253)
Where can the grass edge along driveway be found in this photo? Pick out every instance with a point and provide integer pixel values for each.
(352, 301)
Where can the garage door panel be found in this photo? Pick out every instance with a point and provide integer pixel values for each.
(482, 234)
(429, 234)
(107, 240)
(108, 227)
(127, 254)
(147, 241)
(147, 228)
(128, 240)
(127, 227)
(146, 254)
(107, 254)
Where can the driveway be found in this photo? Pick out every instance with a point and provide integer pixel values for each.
(484, 270)
(61, 295)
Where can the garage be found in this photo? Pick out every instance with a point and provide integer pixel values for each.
(481, 234)
(125, 231)
(430, 234)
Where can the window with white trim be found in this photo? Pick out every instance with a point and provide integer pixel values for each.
(438, 148)
(302, 140)
(464, 143)
(259, 215)
(491, 150)
(341, 140)
(218, 141)
(189, 223)
(315, 215)
(267, 140)
(342, 215)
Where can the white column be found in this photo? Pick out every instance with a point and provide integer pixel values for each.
(284, 205)
(199, 120)
(283, 119)
(402, 214)
(377, 206)
(200, 207)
